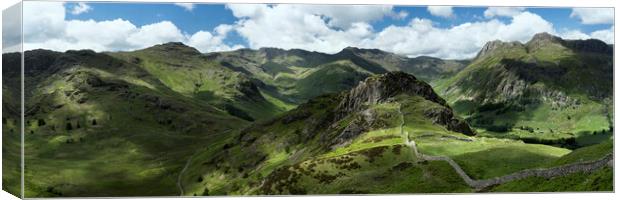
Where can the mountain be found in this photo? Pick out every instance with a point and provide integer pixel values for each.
(331, 137)
(546, 89)
(425, 68)
(297, 75)
(391, 130)
(109, 120)
(192, 74)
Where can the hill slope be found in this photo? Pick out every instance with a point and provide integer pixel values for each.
(338, 143)
(99, 126)
(547, 90)
(298, 75)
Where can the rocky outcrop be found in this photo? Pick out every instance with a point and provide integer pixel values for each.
(445, 117)
(248, 91)
(383, 88)
(495, 45)
(177, 49)
(589, 45)
(378, 89)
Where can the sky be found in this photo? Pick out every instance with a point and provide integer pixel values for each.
(438, 31)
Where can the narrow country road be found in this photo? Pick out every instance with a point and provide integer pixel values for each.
(479, 185)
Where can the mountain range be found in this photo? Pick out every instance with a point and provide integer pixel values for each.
(169, 120)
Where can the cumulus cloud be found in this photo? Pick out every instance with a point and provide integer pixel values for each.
(310, 27)
(605, 35)
(441, 11)
(594, 15)
(339, 16)
(420, 37)
(80, 8)
(305, 30)
(186, 6)
(49, 29)
(502, 11)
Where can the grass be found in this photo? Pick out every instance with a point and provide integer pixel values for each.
(600, 180)
(484, 158)
(135, 149)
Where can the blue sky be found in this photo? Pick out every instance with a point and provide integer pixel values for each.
(446, 32)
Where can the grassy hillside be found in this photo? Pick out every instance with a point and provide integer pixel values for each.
(187, 72)
(98, 126)
(298, 75)
(545, 91)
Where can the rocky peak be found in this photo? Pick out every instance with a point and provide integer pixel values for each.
(175, 48)
(545, 37)
(271, 52)
(377, 89)
(357, 50)
(494, 45)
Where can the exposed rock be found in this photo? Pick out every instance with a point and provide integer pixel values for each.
(360, 125)
(445, 116)
(296, 116)
(492, 46)
(378, 89)
(175, 48)
(249, 91)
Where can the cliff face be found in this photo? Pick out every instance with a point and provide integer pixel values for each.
(379, 89)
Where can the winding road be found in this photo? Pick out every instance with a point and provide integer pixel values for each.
(481, 184)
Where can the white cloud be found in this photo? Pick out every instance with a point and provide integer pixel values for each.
(605, 35)
(338, 16)
(502, 11)
(441, 11)
(43, 20)
(186, 6)
(297, 29)
(291, 26)
(80, 8)
(400, 15)
(49, 30)
(594, 15)
(208, 42)
(420, 37)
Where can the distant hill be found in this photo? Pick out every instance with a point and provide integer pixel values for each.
(546, 88)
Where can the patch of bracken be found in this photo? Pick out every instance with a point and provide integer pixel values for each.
(402, 166)
(396, 149)
(372, 153)
(326, 178)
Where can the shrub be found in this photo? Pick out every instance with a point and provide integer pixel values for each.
(499, 128)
